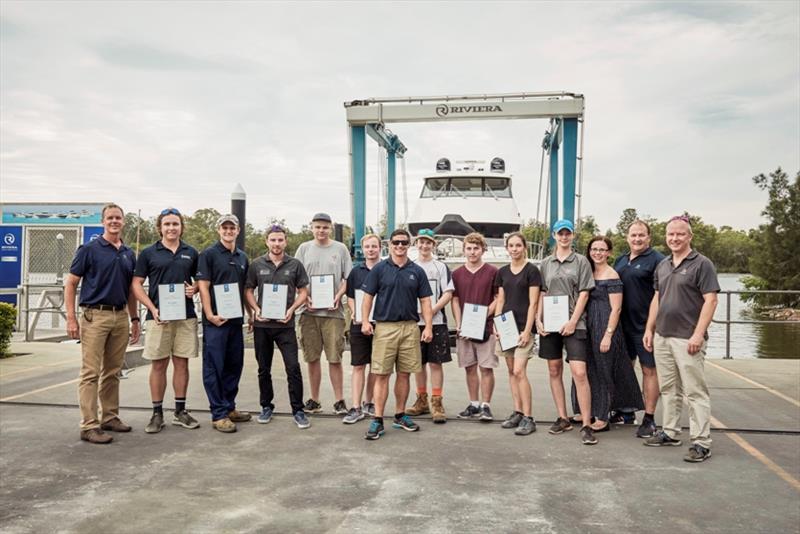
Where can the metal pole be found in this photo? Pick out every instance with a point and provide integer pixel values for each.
(728, 326)
(359, 180)
(238, 207)
(391, 188)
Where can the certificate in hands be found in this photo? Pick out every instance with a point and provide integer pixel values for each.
(228, 300)
(473, 321)
(359, 301)
(555, 312)
(506, 328)
(171, 302)
(322, 291)
(273, 301)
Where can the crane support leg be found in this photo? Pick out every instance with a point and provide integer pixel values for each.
(359, 177)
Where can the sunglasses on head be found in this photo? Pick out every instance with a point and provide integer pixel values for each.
(399, 242)
(683, 218)
(170, 211)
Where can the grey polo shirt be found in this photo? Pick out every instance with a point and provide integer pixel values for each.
(680, 294)
(567, 278)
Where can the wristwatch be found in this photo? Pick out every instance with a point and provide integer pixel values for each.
(135, 319)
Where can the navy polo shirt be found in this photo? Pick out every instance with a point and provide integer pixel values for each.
(107, 272)
(397, 290)
(159, 265)
(355, 280)
(637, 280)
(219, 265)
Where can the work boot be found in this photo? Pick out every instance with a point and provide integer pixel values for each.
(421, 406)
(95, 435)
(437, 410)
(115, 425)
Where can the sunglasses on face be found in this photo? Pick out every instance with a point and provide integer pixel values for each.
(598, 250)
(399, 243)
(170, 211)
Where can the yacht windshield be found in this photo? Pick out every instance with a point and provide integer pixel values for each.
(466, 186)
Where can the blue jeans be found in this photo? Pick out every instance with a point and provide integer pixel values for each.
(223, 360)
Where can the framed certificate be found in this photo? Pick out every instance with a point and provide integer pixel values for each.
(171, 302)
(473, 321)
(435, 290)
(322, 291)
(359, 301)
(273, 301)
(228, 300)
(506, 328)
(555, 312)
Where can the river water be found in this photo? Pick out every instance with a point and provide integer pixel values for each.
(750, 340)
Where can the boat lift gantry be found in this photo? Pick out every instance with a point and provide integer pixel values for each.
(370, 117)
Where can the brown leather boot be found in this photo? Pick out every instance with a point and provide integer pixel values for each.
(95, 435)
(421, 406)
(437, 410)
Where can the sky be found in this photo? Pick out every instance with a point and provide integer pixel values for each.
(155, 104)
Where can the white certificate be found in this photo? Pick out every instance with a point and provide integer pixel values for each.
(506, 328)
(473, 321)
(359, 301)
(434, 298)
(171, 302)
(322, 291)
(556, 312)
(273, 301)
(229, 302)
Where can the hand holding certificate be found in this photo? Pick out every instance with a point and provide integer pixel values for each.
(507, 331)
(359, 301)
(555, 312)
(322, 291)
(473, 321)
(273, 301)
(171, 302)
(228, 300)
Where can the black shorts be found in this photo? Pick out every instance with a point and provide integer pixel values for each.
(360, 347)
(552, 345)
(635, 346)
(438, 350)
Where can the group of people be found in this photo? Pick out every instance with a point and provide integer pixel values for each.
(604, 318)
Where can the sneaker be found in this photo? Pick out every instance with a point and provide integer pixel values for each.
(697, 453)
(312, 406)
(368, 408)
(560, 426)
(512, 421)
(662, 439)
(406, 423)
(353, 416)
(339, 407)
(375, 430)
(184, 419)
(156, 423)
(647, 429)
(95, 435)
(239, 417)
(437, 410)
(115, 425)
(224, 425)
(469, 412)
(587, 436)
(421, 406)
(265, 416)
(526, 426)
(301, 420)
(622, 418)
(486, 414)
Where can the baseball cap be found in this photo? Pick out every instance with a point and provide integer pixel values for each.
(562, 224)
(227, 218)
(322, 217)
(426, 233)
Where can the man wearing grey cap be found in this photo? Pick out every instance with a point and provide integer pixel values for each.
(322, 324)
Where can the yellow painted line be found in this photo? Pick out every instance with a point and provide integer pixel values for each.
(46, 388)
(758, 455)
(757, 384)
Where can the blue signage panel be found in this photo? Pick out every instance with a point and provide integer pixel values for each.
(90, 233)
(10, 260)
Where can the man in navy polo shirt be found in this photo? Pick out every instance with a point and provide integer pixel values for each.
(397, 283)
(106, 267)
(636, 270)
(223, 267)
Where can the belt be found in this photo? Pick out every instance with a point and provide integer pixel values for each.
(103, 307)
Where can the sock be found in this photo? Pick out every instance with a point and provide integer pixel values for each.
(437, 392)
(476, 404)
(378, 419)
(180, 404)
(399, 415)
(485, 404)
(421, 390)
(157, 407)
(649, 417)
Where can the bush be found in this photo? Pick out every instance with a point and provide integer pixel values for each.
(8, 317)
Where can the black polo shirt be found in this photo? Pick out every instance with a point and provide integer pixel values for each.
(680, 294)
(159, 265)
(637, 279)
(397, 290)
(289, 272)
(355, 280)
(107, 272)
(219, 265)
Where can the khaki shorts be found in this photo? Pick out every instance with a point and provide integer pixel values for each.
(525, 352)
(175, 338)
(396, 344)
(321, 333)
(472, 352)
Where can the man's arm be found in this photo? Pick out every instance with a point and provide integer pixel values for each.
(650, 328)
(706, 315)
(427, 316)
(366, 306)
(205, 300)
(133, 313)
(70, 290)
(137, 288)
(455, 306)
(252, 304)
(569, 328)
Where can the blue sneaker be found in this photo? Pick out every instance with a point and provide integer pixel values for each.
(406, 423)
(265, 416)
(375, 430)
(301, 420)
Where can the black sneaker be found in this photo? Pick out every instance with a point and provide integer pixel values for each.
(647, 429)
(661, 439)
(486, 414)
(561, 425)
(697, 453)
(312, 406)
(469, 412)
(622, 418)
(587, 436)
(526, 426)
(405, 423)
(339, 407)
(375, 430)
(512, 421)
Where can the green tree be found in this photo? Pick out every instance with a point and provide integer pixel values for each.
(201, 231)
(138, 232)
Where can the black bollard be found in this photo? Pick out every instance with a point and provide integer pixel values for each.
(238, 202)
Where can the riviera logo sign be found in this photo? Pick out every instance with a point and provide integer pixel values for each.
(443, 110)
(9, 239)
